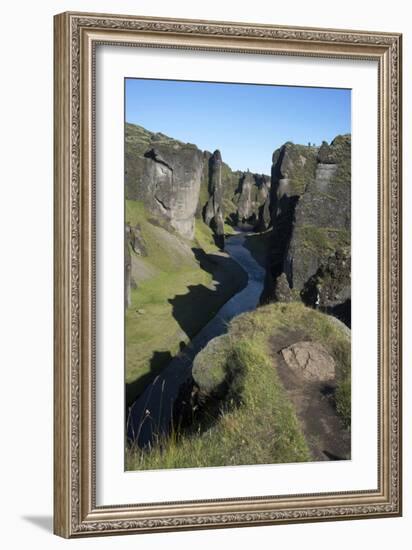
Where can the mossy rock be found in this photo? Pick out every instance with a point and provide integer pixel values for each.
(255, 422)
(323, 240)
(296, 164)
(209, 367)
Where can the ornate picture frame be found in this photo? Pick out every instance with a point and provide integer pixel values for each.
(76, 512)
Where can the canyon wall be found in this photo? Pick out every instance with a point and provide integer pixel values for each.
(178, 182)
(303, 207)
(311, 217)
(165, 175)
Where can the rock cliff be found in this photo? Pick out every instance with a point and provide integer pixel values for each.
(239, 198)
(310, 204)
(306, 201)
(213, 210)
(253, 201)
(176, 181)
(166, 175)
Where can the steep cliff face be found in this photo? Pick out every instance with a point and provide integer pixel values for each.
(322, 217)
(165, 175)
(177, 182)
(293, 169)
(239, 198)
(213, 210)
(134, 246)
(311, 224)
(253, 201)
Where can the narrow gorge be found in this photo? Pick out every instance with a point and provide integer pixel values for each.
(225, 271)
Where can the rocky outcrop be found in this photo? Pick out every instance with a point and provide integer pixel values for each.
(253, 201)
(293, 168)
(133, 245)
(135, 239)
(282, 291)
(310, 360)
(241, 199)
(330, 287)
(211, 379)
(319, 256)
(264, 219)
(245, 207)
(165, 174)
(177, 182)
(213, 210)
(310, 198)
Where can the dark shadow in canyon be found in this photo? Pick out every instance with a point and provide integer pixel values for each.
(200, 304)
(158, 361)
(194, 310)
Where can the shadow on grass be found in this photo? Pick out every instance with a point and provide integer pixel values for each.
(200, 304)
(194, 310)
(159, 360)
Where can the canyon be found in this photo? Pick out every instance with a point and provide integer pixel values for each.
(304, 206)
(235, 280)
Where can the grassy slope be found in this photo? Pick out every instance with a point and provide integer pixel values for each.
(264, 427)
(153, 334)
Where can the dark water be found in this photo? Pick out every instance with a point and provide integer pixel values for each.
(152, 411)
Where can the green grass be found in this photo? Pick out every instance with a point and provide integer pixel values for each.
(141, 137)
(229, 229)
(153, 331)
(263, 429)
(272, 319)
(153, 338)
(153, 334)
(319, 327)
(255, 423)
(204, 237)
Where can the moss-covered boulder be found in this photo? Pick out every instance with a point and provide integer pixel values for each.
(256, 421)
(210, 367)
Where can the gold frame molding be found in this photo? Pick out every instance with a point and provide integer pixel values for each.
(75, 38)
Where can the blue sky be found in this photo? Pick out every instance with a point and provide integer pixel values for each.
(246, 122)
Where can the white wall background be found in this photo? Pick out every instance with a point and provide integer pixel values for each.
(26, 271)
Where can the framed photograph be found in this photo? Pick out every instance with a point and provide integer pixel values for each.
(227, 274)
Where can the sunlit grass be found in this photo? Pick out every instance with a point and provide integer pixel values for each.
(153, 333)
(255, 424)
(262, 429)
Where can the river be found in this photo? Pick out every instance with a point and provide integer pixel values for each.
(151, 412)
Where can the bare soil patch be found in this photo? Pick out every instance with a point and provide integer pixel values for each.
(314, 403)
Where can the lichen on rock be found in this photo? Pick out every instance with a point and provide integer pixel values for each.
(165, 175)
(311, 216)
